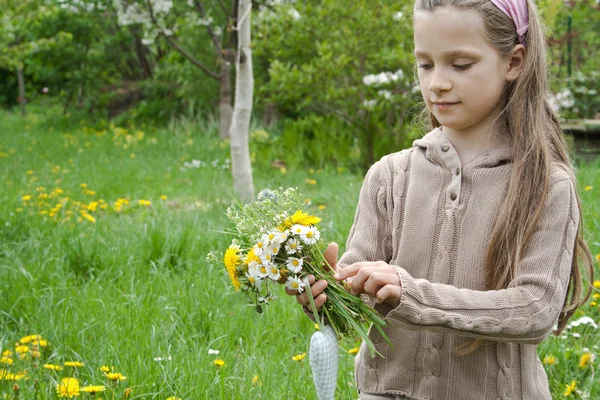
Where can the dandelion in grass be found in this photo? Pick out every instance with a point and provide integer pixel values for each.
(597, 283)
(75, 364)
(256, 380)
(7, 353)
(53, 367)
(294, 264)
(127, 393)
(115, 376)
(549, 360)
(586, 359)
(104, 368)
(6, 360)
(68, 387)
(299, 357)
(173, 398)
(354, 350)
(218, 363)
(598, 258)
(570, 389)
(94, 389)
(588, 188)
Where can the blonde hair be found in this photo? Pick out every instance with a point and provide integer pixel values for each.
(538, 143)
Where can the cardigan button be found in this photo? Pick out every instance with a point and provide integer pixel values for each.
(457, 171)
(453, 196)
(445, 148)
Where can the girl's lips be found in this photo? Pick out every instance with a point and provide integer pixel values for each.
(444, 106)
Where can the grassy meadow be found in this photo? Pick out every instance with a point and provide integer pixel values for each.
(104, 231)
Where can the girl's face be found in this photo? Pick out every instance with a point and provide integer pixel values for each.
(460, 74)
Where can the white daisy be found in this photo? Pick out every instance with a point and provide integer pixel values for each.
(294, 264)
(273, 249)
(263, 271)
(294, 283)
(259, 248)
(276, 236)
(311, 235)
(273, 272)
(253, 267)
(293, 246)
(254, 279)
(266, 258)
(266, 299)
(297, 229)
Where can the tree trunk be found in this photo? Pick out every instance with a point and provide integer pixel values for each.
(21, 81)
(240, 123)
(225, 109)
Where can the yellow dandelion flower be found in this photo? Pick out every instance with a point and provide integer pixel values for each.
(299, 357)
(353, 350)
(35, 353)
(89, 217)
(22, 349)
(231, 259)
(311, 181)
(598, 257)
(251, 257)
(53, 367)
(115, 376)
(597, 284)
(322, 207)
(73, 364)
(6, 360)
(26, 197)
(317, 327)
(68, 387)
(586, 359)
(93, 389)
(596, 296)
(30, 172)
(301, 218)
(588, 188)
(7, 353)
(127, 392)
(549, 360)
(570, 389)
(255, 380)
(104, 368)
(163, 197)
(173, 398)
(593, 304)
(218, 363)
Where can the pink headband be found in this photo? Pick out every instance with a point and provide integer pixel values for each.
(517, 11)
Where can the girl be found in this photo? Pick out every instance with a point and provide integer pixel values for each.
(469, 242)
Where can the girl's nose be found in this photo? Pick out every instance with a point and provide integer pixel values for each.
(439, 82)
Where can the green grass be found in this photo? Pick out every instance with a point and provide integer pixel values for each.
(134, 285)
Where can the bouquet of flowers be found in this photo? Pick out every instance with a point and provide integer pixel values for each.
(278, 242)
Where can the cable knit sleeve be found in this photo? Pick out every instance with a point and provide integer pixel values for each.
(528, 308)
(370, 221)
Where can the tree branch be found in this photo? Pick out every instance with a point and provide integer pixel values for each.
(180, 49)
(212, 35)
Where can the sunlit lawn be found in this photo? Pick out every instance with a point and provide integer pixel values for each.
(103, 236)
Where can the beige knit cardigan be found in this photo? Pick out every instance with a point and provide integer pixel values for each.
(430, 218)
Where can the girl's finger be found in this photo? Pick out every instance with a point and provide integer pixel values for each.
(315, 289)
(376, 281)
(391, 292)
(347, 272)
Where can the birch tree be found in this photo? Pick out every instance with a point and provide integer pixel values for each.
(163, 18)
(244, 90)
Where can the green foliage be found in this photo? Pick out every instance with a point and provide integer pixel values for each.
(314, 69)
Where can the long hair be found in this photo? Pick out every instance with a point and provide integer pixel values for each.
(538, 143)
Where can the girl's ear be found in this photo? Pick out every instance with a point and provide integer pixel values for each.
(516, 61)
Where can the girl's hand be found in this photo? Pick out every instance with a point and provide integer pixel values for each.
(376, 279)
(317, 288)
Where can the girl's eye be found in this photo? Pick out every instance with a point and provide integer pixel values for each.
(425, 66)
(462, 67)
